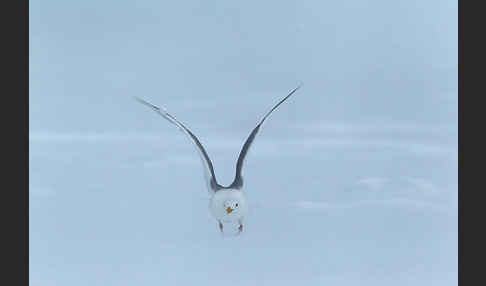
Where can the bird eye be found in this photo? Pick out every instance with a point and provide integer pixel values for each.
(236, 204)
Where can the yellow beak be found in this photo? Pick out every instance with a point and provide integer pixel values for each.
(229, 210)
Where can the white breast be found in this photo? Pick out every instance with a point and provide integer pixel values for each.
(216, 205)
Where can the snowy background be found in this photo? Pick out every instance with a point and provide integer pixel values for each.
(352, 181)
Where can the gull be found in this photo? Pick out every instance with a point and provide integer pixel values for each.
(227, 203)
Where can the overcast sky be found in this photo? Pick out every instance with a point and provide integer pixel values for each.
(352, 181)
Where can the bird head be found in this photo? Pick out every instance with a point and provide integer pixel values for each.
(230, 206)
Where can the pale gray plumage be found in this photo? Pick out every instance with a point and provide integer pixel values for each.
(207, 164)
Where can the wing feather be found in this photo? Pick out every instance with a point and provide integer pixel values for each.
(211, 182)
(238, 181)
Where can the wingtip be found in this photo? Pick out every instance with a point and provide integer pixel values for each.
(146, 103)
(295, 89)
(135, 98)
(138, 99)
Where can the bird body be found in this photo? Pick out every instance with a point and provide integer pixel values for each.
(227, 204)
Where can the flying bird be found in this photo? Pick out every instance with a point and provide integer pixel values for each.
(227, 203)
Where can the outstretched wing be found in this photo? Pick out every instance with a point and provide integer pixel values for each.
(238, 181)
(211, 182)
